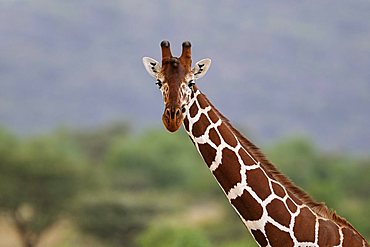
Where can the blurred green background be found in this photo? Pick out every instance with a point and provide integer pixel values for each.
(84, 160)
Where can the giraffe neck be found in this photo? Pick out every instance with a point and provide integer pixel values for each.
(276, 212)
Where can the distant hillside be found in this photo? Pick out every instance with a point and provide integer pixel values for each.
(278, 69)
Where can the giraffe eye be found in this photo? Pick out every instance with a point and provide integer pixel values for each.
(159, 83)
(191, 83)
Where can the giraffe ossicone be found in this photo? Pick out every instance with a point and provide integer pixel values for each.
(274, 210)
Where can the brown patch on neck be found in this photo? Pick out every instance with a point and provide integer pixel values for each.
(228, 172)
(199, 128)
(328, 233)
(351, 239)
(259, 237)
(247, 206)
(278, 190)
(208, 153)
(277, 210)
(259, 182)
(278, 237)
(304, 227)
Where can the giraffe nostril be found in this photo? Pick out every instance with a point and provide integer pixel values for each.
(178, 112)
(168, 113)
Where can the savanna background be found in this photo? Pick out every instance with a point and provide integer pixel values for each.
(84, 160)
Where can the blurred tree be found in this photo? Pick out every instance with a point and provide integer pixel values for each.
(248, 242)
(113, 221)
(156, 159)
(296, 158)
(170, 236)
(39, 179)
(229, 231)
(96, 142)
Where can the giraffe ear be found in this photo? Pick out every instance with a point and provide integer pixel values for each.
(201, 68)
(152, 66)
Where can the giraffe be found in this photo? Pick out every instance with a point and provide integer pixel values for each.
(274, 210)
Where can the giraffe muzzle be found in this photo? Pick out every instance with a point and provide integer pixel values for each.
(172, 118)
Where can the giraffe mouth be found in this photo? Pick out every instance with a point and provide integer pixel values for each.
(172, 118)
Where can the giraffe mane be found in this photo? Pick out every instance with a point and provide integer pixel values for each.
(319, 208)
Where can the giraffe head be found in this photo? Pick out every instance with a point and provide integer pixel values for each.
(176, 79)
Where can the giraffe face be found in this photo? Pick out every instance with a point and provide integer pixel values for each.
(175, 79)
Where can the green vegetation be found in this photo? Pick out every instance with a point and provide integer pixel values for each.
(113, 222)
(39, 180)
(150, 189)
(164, 236)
